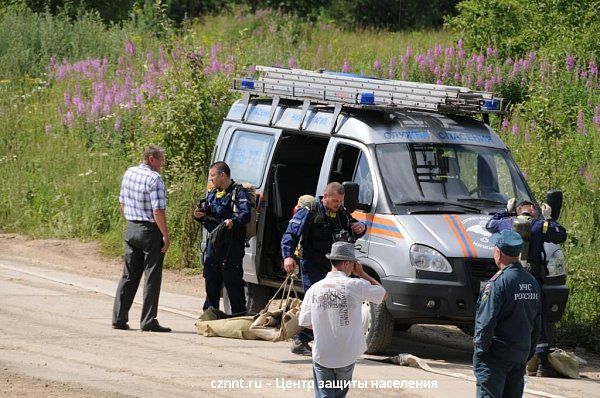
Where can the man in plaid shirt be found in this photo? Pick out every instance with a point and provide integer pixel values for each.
(143, 202)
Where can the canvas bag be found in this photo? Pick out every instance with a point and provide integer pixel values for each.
(215, 323)
(278, 321)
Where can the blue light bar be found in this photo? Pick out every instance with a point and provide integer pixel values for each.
(248, 84)
(491, 105)
(367, 99)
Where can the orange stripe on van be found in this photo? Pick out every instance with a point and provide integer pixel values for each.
(379, 225)
(456, 235)
(384, 232)
(466, 236)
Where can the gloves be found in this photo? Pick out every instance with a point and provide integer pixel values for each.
(511, 206)
(546, 211)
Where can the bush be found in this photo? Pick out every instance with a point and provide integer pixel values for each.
(29, 40)
(517, 27)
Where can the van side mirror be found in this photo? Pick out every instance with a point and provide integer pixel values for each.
(555, 198)
(350, 196)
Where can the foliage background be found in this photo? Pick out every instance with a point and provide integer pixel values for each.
(84, 87)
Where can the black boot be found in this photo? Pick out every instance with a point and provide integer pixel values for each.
(544, 368)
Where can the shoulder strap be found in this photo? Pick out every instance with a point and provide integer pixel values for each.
(497, 275)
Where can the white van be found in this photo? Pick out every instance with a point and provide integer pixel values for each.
(429, 173)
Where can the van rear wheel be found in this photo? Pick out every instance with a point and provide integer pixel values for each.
(378, 326)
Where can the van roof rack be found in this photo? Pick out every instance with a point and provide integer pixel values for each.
(349, 90)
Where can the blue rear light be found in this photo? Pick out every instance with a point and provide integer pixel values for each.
(490, 105)
(367, 99)
(248, 84)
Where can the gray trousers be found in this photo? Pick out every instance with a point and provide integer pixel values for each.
(143, 241)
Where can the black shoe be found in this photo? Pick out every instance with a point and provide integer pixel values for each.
(301, 348)
(155, 327)
(546, 370)
(120, 326)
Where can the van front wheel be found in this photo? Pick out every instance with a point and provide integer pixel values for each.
(257, 297)
(378, 326)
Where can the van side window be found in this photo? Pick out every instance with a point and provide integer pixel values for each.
(247, 156)
(350, 164)
(363, 178)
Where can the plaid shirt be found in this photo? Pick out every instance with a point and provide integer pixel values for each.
(142, 191)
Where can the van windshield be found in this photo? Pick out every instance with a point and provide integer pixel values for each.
(463, 178)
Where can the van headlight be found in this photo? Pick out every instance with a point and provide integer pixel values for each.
(556, 264)
(427, 259)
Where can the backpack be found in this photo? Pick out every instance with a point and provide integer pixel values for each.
(251, 193)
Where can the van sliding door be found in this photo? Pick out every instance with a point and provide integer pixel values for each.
(248, 151)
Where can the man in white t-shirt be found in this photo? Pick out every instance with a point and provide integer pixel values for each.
(332, 308)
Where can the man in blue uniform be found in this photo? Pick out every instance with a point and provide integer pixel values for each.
(507, 322)
(542, 230)
(225, 215)
(319, 224)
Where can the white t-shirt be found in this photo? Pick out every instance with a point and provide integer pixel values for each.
(332, 307)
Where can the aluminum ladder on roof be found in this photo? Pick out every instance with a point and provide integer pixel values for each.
(347, 90)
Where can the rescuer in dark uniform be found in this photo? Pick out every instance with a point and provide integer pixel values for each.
(507, 322)
(224, 214)
(319, 224)
(542, 230)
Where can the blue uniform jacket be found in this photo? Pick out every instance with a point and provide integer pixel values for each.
(296, 228)
(222, 209)
(541, 231)
(508, 316)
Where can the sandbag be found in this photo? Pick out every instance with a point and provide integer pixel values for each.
(278, 321)
(564, 363)
(215, 323)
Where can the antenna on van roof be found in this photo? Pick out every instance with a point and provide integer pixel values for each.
(349, 90)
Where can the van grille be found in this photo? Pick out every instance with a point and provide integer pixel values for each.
(481, 269)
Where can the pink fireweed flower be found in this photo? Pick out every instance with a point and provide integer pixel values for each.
(437, 50)
(68, 119)
(570, 62)
(449, 52)
(504, 125)
(581, 123)
(377, 64)
(515, 130)
(215, 66)
(593, 68)
(408, 52)
(230, 65)
(292, 63)
(129, 48)
(118, 124)
(346, 66)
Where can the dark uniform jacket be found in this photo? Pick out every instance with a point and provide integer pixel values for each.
(220, 209)
(541, 231)
(509, 314)
(317, 230)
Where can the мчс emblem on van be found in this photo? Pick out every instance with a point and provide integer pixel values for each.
(475, 226)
